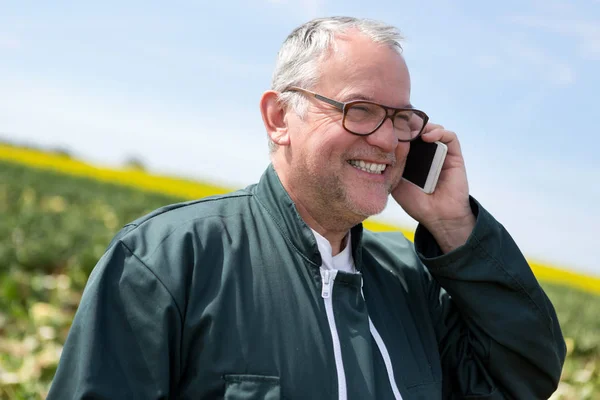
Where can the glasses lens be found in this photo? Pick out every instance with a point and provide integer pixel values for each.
(363, 118)
(408, 124)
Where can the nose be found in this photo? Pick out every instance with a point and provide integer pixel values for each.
(385, 137)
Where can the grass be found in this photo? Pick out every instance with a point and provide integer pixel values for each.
(53, 230)
(135, 178)
(55, 226)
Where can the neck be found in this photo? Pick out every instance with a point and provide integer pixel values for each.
(335, 236)
(329, 223)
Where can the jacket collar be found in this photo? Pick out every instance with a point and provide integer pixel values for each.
(274, 198)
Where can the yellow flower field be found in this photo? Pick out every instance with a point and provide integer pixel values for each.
(188, 189)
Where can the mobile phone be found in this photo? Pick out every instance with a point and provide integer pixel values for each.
(424, 164)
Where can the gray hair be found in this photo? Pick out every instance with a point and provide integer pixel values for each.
(298, 59)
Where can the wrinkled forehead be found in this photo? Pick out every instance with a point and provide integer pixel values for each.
(355, 64)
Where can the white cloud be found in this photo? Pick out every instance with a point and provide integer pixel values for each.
(234, 67)
(487, 60)
(514, 59)
(585, 32)
(314, 7)
(542, 63)
(109, 129)
(306, 8)
(9, 43)
(519, 55)
(563, 74)
(556, 7)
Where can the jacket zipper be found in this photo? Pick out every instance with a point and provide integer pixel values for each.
(328, 277)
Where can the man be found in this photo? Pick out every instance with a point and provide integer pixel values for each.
(276, 291)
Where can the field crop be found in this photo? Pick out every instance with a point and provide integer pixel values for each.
(55, 226)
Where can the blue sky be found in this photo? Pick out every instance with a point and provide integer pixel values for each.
(178, 86)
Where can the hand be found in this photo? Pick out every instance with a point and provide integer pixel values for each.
(446, 212)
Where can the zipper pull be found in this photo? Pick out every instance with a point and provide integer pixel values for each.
(326, 290)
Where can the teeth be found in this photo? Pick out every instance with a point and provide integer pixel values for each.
(372, 168)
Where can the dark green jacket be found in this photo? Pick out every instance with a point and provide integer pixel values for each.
(223, 298)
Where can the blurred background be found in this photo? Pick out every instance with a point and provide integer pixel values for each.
(109, 110)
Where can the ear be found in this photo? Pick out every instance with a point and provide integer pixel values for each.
(274, 117)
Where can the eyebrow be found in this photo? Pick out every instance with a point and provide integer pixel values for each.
(358, 96)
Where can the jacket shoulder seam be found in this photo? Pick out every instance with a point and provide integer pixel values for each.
(155, 276)
(183, 205)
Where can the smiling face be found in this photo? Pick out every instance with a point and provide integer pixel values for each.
(330, 171)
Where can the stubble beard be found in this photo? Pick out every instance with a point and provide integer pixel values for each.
(331, 202)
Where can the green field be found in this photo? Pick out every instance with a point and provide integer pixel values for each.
(53, 229)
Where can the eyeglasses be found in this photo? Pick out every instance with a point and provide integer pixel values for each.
(362, 118)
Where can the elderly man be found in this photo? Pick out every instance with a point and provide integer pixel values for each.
(277, 291)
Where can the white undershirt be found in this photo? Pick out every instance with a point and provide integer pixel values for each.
(343, 261)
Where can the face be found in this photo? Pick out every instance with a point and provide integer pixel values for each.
(328, 164)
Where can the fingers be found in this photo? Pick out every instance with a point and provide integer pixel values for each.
(437, 133)
(431, 126)
(434, 133)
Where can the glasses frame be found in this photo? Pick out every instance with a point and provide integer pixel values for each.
(343, 107)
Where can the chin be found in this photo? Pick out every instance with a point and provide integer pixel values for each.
(369, 206)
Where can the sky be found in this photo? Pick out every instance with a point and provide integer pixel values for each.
(178, 86)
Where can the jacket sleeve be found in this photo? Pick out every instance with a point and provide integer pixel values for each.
(123, 343)
(498, 333)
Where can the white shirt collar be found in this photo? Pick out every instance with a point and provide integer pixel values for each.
(342, 261)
